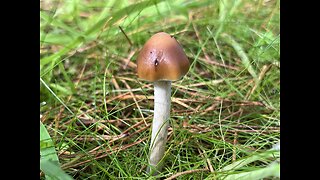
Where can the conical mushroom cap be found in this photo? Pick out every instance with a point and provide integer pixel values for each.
(162, 58)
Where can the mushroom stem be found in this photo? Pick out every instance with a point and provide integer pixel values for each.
(160, 123)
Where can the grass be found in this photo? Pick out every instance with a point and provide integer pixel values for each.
(96, 113)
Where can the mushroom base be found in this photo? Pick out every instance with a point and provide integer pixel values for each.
(160, 123)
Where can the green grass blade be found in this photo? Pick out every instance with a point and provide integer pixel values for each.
(53, 171)
(56, 96)
(52, 58)
(260, 173)
(225, 12)
(120, 14)
(65, 75)
(59, 88)
(55, 22)
(241, 53)
(47, 149)
(243, 162)
(98, 27)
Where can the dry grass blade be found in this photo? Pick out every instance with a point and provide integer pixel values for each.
(128, 39)
(114, 82)
(99, 137)
(142, 97)
(209, 165)
(134, 126)
(263, 72)
(107, 153)
(187, 172)
(135, 100)
(212, 82)
(219, 64)
(127, 61)
(198, 128)
(235, 140)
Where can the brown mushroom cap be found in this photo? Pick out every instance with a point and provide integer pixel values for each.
(162, 58)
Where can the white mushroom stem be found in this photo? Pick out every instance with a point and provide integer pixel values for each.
(160, 123)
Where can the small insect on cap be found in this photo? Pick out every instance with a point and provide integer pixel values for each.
(162, 59)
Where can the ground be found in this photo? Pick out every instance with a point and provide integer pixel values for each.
(96, 113)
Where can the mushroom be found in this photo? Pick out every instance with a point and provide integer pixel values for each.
(161, 60)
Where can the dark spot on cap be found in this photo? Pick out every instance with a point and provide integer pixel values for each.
(156, 62)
